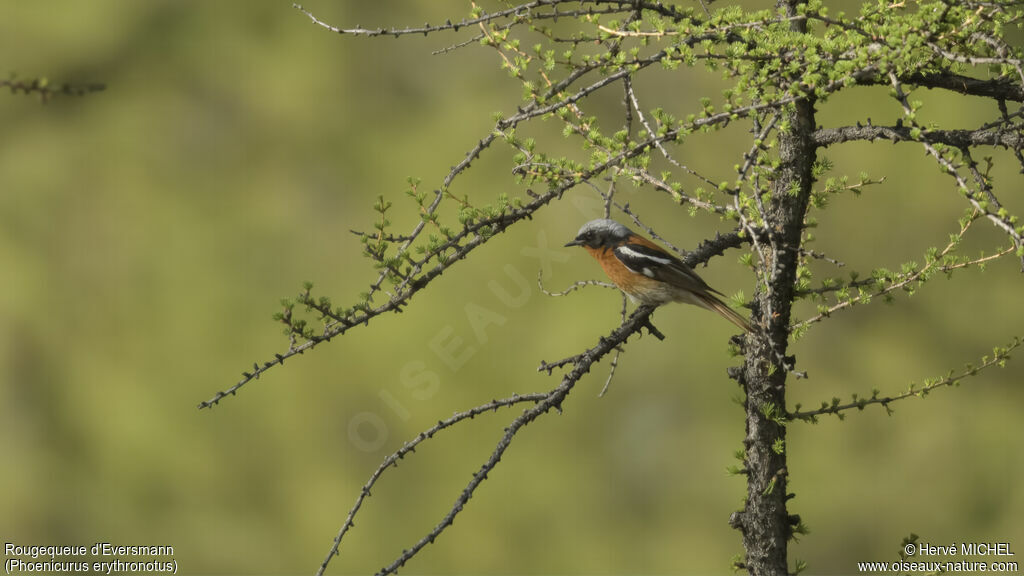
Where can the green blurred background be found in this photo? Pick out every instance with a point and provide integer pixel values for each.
(148, 232)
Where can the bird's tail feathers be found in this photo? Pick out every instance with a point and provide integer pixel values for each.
(712, 303)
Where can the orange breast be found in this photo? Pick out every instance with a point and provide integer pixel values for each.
(637, 286)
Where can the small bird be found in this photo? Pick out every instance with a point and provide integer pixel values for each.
(646, 272)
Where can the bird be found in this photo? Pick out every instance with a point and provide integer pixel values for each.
(647, 273)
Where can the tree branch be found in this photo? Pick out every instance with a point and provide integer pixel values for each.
(939, 263)
(1000, 219)
(45, 90)
(515, 13)
(999, 358)
(410, 446)
(957, 138)
(553, 399)
(998, 88)
(460, 247)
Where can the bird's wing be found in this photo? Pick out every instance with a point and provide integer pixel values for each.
(660, 265)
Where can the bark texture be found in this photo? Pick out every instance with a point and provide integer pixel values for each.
(765, 521)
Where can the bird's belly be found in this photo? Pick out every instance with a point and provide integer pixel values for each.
(656, 295)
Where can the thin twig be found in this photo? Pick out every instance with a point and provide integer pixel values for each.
(42, 88)
(998, 219)
(553, 399)
(909, 278)
(410, 446)
(836, 408)
(618, 352)
(625, 209)
(572, 287)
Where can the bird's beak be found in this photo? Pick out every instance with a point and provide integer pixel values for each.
(576, 242)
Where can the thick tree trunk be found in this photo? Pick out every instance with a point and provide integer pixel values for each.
(765, 522)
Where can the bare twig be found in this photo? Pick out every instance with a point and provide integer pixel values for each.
(820, 256)
(625, 209)
(618, 352)
(572, 287)
(410, 446)
(553, 399)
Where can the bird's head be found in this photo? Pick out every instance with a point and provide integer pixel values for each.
(600, 233)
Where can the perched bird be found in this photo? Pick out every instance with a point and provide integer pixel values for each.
(646, 272)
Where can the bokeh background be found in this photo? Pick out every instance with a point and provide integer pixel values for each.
(148, 232)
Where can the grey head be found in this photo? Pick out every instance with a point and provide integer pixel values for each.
(601, 232)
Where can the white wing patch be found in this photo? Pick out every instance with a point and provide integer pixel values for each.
(648, 273)
(630, 253)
